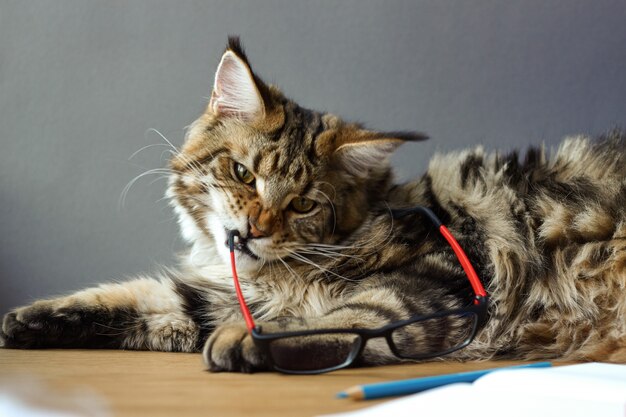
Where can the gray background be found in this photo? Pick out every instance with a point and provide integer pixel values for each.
(81, 82)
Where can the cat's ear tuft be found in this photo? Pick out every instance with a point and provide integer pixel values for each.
(236, 92)
(365, 150)
(406, 136)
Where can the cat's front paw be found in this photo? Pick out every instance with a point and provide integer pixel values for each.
(24, 327)
(50, 323)
(34, 325)
(231, 348)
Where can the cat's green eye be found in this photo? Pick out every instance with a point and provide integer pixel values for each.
(302, 204)
(243, 174)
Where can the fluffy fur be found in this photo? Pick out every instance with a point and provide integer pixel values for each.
(545, 231)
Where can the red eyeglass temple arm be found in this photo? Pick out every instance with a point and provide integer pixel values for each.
(247, 316)
(477, 286)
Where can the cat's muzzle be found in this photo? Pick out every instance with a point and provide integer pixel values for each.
(239, 243)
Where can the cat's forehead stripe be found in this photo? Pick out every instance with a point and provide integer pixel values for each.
(256, 161)
(291, 152)
(301, 128)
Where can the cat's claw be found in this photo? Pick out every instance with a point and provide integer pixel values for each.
(231, 348)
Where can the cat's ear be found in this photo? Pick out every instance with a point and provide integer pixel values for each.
(362, 150)
(237, 91)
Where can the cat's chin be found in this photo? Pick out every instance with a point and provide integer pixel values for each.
(245, 259)
(245, 262)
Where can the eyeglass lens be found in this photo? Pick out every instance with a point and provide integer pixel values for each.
(434, 336)
(314, 352)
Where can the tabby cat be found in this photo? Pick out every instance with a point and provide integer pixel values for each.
(311, 195)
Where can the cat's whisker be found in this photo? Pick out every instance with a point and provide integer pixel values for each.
(130, 184)
(325, 245)
(332, 206)
(320, 251)
(194, 166)
(168, 151)
(210, 186)
(301, 259)
(196, 169)
(166, 177)
(325, 255)
(386, 241)
(331, 186)
(271, 270)
(342, 247)
(377, 240)
(161, 199)
(164, 138)
(341, 254)
(176, 153)
(264, 261)
(305, 248)
(289, 269)
(223, 187)
(197, 200)
(138, 151)
(308, 261)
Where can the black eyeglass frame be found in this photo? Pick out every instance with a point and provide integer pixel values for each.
(478, 309)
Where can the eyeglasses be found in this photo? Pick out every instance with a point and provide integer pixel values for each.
(323, 350)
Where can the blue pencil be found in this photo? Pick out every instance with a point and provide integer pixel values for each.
(410, 386)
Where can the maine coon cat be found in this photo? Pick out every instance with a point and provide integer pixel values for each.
(311, 196)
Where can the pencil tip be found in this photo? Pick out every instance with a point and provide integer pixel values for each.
(342, 395)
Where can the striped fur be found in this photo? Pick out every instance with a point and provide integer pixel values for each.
(545, 231)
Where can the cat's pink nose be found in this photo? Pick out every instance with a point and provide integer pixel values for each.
(263, 223)
(255, 232)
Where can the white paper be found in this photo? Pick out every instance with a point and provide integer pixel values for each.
(586, 390)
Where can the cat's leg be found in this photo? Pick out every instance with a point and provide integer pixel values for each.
(141, 314)
(231, 348)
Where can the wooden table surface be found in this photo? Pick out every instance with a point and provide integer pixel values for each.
(176, 384)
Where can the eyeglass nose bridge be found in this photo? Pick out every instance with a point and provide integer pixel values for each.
(387, 335)
(363, 338)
